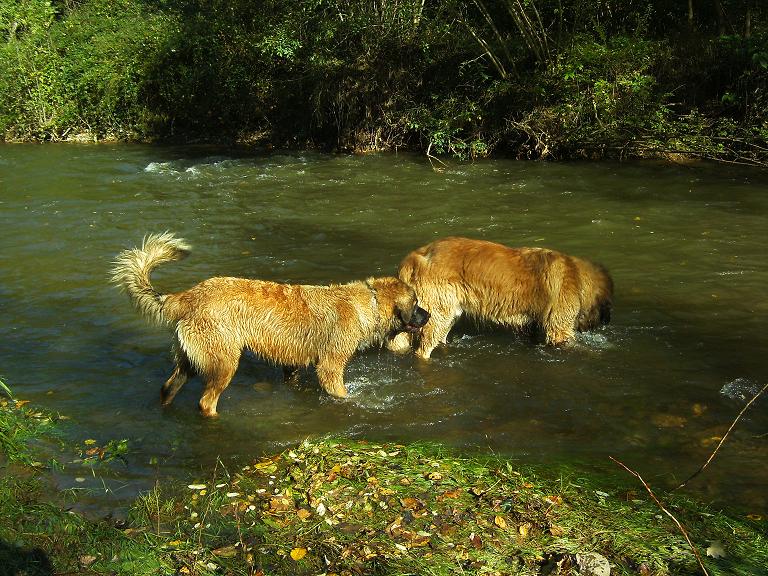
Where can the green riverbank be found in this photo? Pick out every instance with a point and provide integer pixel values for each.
(534, 79)
(336, 506)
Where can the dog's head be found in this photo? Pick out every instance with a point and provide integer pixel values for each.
(398, 306)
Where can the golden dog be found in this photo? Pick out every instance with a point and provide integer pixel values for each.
(513, 287)
(292, 325)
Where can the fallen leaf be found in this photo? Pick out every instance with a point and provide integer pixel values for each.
(524, 530)
(556, 530)
(716, 550)
(298, 553)
(87, 560)
(412, 503)
(755, 517)
(450, 494)
(196, 486)
(712, 440)
(88, 442)
(500, 522)
(303, 513)
(669, 420)
(280, 504)
(476, 541)
(698, 409)
(225, 552)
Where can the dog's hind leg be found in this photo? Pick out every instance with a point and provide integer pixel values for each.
(181, 373)
(217, 378)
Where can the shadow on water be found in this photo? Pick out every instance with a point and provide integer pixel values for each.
(20, 561)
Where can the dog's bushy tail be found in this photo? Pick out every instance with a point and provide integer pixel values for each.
(132, 269)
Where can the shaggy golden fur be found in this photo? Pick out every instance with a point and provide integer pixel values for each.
(514, 287)
(292, 325)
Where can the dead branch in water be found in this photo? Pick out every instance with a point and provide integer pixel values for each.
(432, 160)
(667, 512)
(722, 440)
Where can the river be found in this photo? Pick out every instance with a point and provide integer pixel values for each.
(656, 389)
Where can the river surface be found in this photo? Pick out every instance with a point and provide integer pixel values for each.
(656, 389)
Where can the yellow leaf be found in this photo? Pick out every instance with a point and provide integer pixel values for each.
(556, 530)
(303, 513)
(90, 441)
(225, 552)
(298, 553)
(524, 529)
(500, 522)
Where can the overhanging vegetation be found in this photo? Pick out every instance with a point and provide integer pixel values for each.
(531, 78)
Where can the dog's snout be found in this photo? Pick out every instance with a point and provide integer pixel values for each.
(420, 317)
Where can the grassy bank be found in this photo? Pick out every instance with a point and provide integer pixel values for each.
(534, 79)
(336, 506)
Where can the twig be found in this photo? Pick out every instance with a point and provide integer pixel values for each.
(430, 157)
(722, 440)
(667, 512)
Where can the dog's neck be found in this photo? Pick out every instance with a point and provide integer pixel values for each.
(375, 299)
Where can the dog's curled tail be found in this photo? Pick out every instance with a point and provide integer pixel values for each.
(133, 267)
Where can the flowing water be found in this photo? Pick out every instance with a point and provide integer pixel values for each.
(656, 389)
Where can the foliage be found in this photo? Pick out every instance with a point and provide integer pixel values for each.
(538, 78)
(19, 424)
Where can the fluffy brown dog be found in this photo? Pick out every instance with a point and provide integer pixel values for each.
(292, 325)
(514, 287)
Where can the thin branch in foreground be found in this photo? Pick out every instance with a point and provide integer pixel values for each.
(667, 512)
(722, 440)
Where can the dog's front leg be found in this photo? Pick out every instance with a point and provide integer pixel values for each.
(330, 373)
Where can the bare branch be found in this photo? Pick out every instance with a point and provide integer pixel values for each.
(722, 440)
(667, 512)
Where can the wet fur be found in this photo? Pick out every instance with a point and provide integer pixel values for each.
(291, 325)
(513, 287)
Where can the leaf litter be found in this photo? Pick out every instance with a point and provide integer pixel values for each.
(349, 508)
